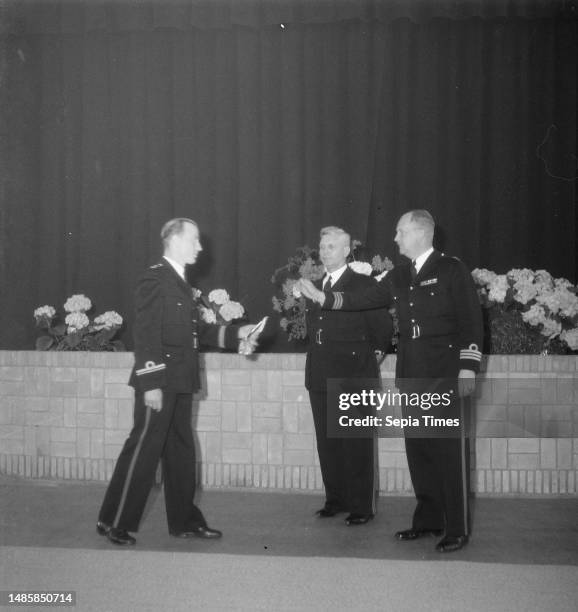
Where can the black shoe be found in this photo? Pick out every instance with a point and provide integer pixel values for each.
(199, 532)
(120, 536)
(414, 534)
(358, 519)
(328, 512)
(102, 528)
(451, 543)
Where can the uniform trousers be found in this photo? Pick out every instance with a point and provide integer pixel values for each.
(347, 463)
(166, 435)
(438, 460)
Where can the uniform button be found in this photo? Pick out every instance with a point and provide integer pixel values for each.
(413, 320)
(411, 303)
(411, 288)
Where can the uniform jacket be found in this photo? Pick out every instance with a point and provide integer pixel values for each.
(342, 344)
(439, 316)
(168, 331)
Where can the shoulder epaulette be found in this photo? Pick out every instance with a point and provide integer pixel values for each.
(450, 258)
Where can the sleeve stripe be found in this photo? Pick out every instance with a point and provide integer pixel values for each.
(221, 337)
(151, 369)
(337, 300)
(470, 354)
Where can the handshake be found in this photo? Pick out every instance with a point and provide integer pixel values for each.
(304, 287)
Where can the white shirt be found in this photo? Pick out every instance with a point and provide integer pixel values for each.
(179, 268)
(419, 261)
(334, 276)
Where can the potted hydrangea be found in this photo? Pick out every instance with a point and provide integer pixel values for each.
(77, 331)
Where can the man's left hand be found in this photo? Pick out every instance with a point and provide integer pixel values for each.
(466, 382)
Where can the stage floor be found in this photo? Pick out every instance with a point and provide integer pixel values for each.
(505, 530)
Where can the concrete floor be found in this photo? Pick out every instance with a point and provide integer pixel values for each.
(541, 531)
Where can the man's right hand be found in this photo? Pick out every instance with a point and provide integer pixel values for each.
(309, 290)
(154, 399)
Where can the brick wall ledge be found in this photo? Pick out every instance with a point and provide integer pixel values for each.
(65, 415)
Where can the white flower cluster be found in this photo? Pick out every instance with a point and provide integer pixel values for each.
(570, 337)
(77, 303)
(218, 296)
(231, 310)
(220, 309)
(45, 311)
(107, 320)
(361, 267)
(208, 315)
(548, 303)
(76, 321)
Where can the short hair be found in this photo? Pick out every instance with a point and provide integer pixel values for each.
(174, 227)
(336, 231)
(423, 219)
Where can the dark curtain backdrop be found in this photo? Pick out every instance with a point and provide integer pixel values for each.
(265, 121)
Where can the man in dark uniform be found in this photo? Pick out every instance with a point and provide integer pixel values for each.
(440, 325)
(342, 346)
(167, 333)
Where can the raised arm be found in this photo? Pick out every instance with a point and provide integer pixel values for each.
(376, 296)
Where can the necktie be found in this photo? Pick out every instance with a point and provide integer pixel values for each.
(413, 270)
(327, 284)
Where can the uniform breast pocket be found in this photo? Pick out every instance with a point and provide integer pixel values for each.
(434, 299)
(173, 354)
(176, 310)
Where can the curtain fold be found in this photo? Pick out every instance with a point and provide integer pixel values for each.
(57, 17)
(264, 134)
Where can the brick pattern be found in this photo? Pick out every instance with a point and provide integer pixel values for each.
(66, 416)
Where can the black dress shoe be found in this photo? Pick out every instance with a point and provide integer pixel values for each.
(358, 519)
(120, 536)
(451, 543)
(414, 534)
(199, 532)
(328, 512)
(102, 528)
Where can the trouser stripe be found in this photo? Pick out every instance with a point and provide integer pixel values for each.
(464, 466)
(375, 488)
(131, 467)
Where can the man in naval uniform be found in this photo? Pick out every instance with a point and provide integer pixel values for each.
(167, 334)
(342, 345)
(440, 326)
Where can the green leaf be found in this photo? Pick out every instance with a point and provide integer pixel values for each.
(106, 335)
(58, 330)
(73, 340)
(44, 343)
(92, 343)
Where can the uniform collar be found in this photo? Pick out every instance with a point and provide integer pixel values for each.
(421, 259)
(178, 268)
(335, 275)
